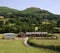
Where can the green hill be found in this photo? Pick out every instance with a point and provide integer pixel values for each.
(28, 19)
(29, 12)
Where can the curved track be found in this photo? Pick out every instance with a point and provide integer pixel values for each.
(25, 42)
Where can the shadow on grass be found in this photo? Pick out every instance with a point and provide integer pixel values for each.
(51, 47)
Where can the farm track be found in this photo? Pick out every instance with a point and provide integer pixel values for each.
(25, 42)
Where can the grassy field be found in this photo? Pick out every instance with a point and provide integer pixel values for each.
(17, 46)
(52, 44)
(47, 41)
(1, 36)
(45, 22)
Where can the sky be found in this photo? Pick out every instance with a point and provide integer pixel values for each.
(52, 6)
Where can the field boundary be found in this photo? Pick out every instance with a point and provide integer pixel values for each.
(51, 47)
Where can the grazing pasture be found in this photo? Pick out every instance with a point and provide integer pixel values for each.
(1, 36)
(53, 44)
(17, 46)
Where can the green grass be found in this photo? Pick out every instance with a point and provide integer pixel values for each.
(45, 22)
(17, 46)
(1, 36)
(47, 41)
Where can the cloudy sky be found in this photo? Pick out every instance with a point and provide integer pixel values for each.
(50, 5)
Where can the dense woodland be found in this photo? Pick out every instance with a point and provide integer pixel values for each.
(26, 20)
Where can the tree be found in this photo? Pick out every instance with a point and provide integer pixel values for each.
(48, 28)
(58, 23)
(1, 24)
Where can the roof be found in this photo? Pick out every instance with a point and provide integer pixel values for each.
(29, 33)
(8, 33)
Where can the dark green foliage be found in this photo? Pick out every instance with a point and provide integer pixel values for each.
(58, 23)
(1, 24)
(27, 20)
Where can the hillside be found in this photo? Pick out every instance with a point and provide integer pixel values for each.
(28, 19)
(7, 10)
(29, 12)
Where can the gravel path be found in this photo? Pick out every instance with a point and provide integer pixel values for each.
(25, 42)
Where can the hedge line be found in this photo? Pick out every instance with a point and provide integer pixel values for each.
(52, 47)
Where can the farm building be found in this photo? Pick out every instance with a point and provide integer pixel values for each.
(21, 34)
(35, 34)
(32, 34)
(9, 35)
